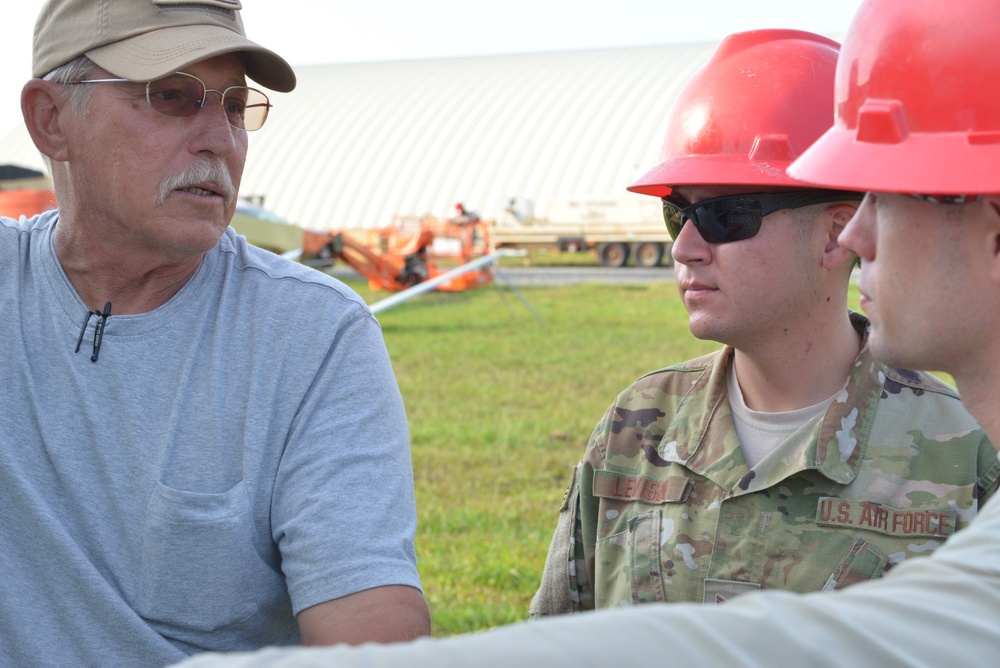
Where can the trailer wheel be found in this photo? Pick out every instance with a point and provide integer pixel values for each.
(648, 253)
(612, 254)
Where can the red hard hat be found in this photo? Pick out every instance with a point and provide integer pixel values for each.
(762, 99)
(917, 101)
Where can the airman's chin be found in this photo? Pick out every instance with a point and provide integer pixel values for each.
(703, 331)
(891, 354)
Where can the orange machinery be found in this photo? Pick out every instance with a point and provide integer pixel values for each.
(26, 201)
(399, 257)
(392, 258)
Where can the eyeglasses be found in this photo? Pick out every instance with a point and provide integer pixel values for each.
(945, 199)
(728, 218)
(182, 95)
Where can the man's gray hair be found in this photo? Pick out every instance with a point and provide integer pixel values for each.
(79, 68)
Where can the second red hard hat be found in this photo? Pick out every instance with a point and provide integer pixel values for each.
(917, 102)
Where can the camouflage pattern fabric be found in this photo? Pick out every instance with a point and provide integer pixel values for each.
(664, 508)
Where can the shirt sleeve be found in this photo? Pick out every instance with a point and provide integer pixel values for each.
(564, 580)
(938, 611)
(567, 580)
(343, 511)
(989, 471)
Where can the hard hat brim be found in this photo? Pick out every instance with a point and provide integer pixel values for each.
(711, 170)
(914, 165)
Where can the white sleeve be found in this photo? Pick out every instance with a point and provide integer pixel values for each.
(943, 610)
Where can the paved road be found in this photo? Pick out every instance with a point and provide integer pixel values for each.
(520, 275)
(570, 275)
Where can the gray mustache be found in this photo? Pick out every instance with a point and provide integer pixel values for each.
(200, 174)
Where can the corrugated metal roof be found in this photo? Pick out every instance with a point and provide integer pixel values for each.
(355, 144)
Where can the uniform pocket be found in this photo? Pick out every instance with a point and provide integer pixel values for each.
(196, 559)
(644, 558)
(862, 562)
(628, 569)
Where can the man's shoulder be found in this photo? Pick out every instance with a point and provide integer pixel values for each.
(670, 384)
(264, 271)
(931, 415)
(18, 236)
(917, 382)
(26, 225)
(680, 372)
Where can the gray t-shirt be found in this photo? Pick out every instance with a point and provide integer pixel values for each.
(232, 457)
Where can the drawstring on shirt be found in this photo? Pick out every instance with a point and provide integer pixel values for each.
(102, 319)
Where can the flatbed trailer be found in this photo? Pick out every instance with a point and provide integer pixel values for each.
(614, 243)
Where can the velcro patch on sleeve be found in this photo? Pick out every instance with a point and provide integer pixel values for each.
(916, 522)
(624, 487)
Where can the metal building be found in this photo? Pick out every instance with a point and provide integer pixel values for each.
(357, 144)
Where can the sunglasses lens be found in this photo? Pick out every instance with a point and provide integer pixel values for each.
(736, 218)
(673, 216)
(718, 220)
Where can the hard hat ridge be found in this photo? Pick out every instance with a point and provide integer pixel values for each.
(916, 103)
(760, 101)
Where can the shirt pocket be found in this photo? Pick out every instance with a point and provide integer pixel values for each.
(636, 551)
(862, 562)
(195, 566)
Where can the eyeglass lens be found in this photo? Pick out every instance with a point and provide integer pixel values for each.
(184, 95)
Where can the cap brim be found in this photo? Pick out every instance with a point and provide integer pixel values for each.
(710, 170)
(161, 52)
(939, 163)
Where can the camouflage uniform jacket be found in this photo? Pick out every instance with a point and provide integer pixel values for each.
(664, 508)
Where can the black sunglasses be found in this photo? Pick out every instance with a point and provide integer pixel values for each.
(728, 218)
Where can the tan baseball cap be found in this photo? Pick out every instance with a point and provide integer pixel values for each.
(143, 40)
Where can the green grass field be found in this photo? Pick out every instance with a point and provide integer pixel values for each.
(500, 409)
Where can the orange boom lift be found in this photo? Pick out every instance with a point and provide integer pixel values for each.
(399, 257)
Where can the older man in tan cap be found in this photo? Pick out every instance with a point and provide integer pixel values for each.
(203, 445)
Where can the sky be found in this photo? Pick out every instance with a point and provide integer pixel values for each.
(309, 32)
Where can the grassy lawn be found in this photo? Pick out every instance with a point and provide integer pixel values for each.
(500, 409)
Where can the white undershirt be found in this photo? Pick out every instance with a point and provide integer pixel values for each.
(760, 432)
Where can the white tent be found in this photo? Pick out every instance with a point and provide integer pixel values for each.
(356, 144)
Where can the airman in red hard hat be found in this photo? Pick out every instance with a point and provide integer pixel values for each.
(689, 460)
(918, 126)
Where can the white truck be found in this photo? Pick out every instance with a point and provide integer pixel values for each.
(617, 229)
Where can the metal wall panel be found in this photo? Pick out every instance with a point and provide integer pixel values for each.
(356, 144)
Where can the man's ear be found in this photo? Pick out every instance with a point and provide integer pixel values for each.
(42, 107)
(833, 220)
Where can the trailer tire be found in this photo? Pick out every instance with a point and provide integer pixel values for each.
(647, 253)
(612, 254)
